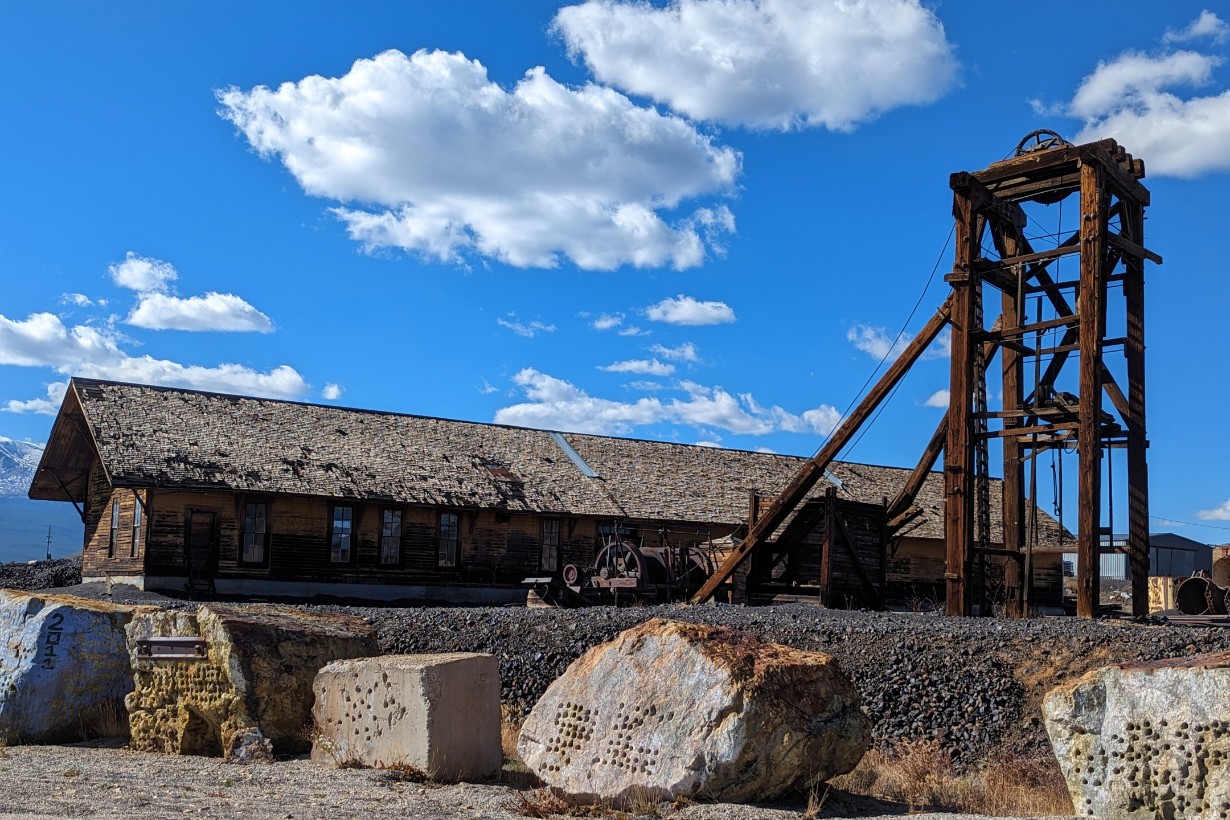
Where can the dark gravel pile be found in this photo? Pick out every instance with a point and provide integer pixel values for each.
(966, 683)
(58, 572)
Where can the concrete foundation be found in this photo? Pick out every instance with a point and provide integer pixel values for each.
(436, 713)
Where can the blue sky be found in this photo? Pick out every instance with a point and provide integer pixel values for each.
(697, 222)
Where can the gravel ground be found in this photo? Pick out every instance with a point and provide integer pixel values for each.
(57, 572)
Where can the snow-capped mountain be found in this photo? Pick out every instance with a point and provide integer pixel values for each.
(18, 461)
(25, 524)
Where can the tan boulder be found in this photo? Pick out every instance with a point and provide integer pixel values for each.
(670, 709)
(63, 665)
(1146, 740)
(255, 673)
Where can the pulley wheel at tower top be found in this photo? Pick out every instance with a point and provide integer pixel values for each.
(1044, 139)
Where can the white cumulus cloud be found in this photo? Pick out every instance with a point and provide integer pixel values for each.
(331, 392)
(1207, 24)
(426, 154)
(685, 310)
(143, 274)
(158, 308)
(45, 406)
(1146, 102)
(77, 299)
(1220, 513)
(940, 398)
(875, 341)
(685, 352)
(556, 404)
(42, 340)
(645, 367)
(214, 311)
(527, 329)
(767, 64)
(607, 321)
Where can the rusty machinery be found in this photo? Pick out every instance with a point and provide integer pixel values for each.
(625, 569)
(1049, 316)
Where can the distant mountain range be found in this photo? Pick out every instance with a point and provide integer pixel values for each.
(18, 461)
(24, 523)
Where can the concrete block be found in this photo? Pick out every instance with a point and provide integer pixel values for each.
(63, 666)
(437, 713)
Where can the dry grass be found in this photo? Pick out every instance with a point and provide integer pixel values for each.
(107, 720)
(510, 729)
(546, 802)
(922, 776)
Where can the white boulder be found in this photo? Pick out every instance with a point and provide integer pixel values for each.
(1146, 740)
(670, 709)
(63, 665)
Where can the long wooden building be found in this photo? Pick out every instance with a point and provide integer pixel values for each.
(254, 496)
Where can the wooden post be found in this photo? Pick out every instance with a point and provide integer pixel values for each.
(1013, 488)
(826, 551)
(1137, 468)
(958, 454)
(1089, 433)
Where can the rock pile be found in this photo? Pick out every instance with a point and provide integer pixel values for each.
(58, 572)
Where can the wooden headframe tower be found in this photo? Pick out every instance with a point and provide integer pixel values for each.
(1041, 323)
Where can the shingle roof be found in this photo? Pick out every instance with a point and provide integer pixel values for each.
(167, 437)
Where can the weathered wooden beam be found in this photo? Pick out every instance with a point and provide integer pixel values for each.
(1015, 432)
(958, 452)
(830, 537)
(1010, 262)
(813, 469)
(1137, 442)
(1132, 249)
(1009, 332)
(985, 204)
(1012, 488)
(1089, 409)
(1114, 174)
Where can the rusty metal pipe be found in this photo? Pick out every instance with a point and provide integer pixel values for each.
(1200, 596)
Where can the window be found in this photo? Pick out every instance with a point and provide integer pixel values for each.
(447, 533)
(255, 532)
(136, 527)
(339, 540)
(390, 538)
(115, 527)
(550, 544)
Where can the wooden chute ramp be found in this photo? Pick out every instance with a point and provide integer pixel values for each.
(1068, 361)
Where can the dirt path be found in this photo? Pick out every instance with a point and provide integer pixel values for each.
(110, 783)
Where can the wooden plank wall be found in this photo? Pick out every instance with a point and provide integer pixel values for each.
(865, 527)
(98, 557)
(494, 547)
